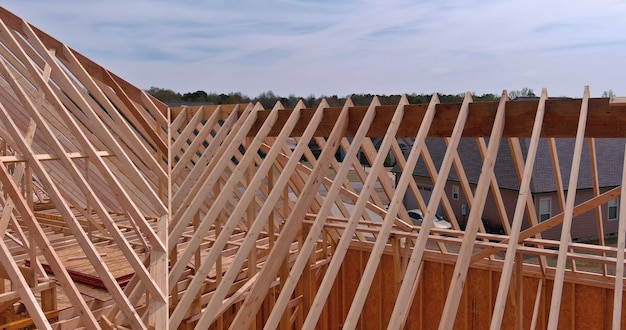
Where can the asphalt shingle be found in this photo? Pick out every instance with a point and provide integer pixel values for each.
(609, 157)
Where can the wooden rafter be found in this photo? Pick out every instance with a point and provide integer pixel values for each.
(224, 216)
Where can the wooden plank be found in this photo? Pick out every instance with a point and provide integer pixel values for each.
(432, 172)
(46, 157)
(560, 119)
(531, 212)
(209, 218)
(55, 195)
(127, 167)
(469, 239)
(409, 284)
(95, 70)
(554, 221)
(524, 192)
(9, 206)
(496, 192)
(42, 241)
(394, 205)
(292, 225)
(385, 181)
(315, 230)
(188, 134)
(83, 184)
(125, 133)
(256, 224)
(187, 190)
(283, 179)
(203, 135)
(591, 142)
(557, 289)
(556, 168)
(158, 311)
(533, 324)
(619, 264)
(18, 280)
(226, 230)
(211, 173)
(40, 172)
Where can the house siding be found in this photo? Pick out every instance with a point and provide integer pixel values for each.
(584, 226)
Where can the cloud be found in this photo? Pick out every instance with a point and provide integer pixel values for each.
(329, 47)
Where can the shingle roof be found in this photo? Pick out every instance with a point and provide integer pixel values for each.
(609, 157)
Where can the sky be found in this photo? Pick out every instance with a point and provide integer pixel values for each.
(326, 47)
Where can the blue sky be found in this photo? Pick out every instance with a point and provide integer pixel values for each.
(329, 47)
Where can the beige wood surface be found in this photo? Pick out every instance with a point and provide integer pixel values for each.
(234, 216)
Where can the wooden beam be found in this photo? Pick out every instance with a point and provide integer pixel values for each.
(291, 227)
(18, 280)
(561, 115)
(557, 290)
(227, 228)
(56, 195)
(82, 140)
(311, 239)
(42, 241)
(410, 281)
(256, 224)
(619, 264)
(210, 174)
(554, 221)
(126, 134)
(186, 192)
(94, 69)
(394, 206)
(204, 135)
(48, 157)
(531, 211)
(469, 239)
(533, 323)
(595, 178)
(522, 198)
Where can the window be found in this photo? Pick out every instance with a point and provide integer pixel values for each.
(455, 192)
(545, 207)
(612, 213)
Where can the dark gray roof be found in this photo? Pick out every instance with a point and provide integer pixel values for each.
(609, 157)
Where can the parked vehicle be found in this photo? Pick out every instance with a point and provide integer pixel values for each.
(492, 228)
(417, 218)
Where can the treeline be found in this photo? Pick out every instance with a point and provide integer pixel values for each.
(268, 99)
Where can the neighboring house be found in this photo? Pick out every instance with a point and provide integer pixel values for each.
(609, 157)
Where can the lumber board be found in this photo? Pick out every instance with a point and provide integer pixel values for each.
(518, 217)
(469, 239)
(211, 216)
(555, 303)
(560, 119)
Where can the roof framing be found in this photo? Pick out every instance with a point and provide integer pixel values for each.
(560, 120)
(223, 217)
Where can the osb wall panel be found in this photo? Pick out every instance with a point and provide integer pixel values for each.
(582, 306)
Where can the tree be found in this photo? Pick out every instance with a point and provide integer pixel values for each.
(524, 92)
(487, 97)
(608, 93)
(164, 95)
(197, 96)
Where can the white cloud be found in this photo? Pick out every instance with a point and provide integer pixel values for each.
(324, 47)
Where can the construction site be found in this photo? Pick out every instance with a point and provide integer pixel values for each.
(120, 212)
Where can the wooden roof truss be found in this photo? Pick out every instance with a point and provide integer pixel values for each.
(224, 216)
